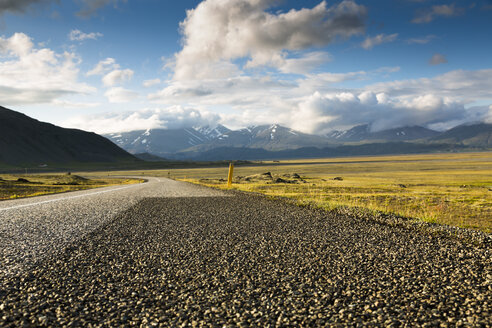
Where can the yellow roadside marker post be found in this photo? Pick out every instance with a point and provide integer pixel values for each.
(229, 177)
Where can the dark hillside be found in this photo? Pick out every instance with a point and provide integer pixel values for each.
(24, 140)
(479, 134)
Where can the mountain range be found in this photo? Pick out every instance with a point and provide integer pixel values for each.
(275, 141)
(172, 143)
(26, 141)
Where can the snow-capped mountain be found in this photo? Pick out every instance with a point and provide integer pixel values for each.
(270, 137)
(162, 142)
(213, 132)
(356, 133)
(196, 142)
(362, 133)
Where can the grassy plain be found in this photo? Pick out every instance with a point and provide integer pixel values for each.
(453, 189)
(20, 186)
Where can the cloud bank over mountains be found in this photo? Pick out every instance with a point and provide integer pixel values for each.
(174, 117)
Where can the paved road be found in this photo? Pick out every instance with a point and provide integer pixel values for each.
(241, 261)
(37, 227)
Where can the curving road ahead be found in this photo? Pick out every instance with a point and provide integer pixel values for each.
(35, 228)
(171, 254)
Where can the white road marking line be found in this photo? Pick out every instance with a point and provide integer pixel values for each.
(65, 198)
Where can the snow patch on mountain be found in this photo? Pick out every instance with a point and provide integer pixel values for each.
(212, 132)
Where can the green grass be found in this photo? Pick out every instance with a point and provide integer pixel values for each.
(453, 189)
(42, 184)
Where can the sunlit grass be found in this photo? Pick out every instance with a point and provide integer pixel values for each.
(39, 184)
(454, 189)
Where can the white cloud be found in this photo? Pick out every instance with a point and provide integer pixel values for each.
(112, 72)
(460, 84)
(77, 35)
(120, 95)
(219, 31)
(72, 104)
(31, 76)
(437, 59)
(151, 83)
(321, 113)
(331, 78)
(103, 66)
(90, 7)
(473, 114)
(240, 90)
(428, 15)
(117, 76)
(423, 40)
(324, 82)
(369, 42)
(174, 117)
(305, 63)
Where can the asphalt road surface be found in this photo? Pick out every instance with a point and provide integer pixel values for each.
(32, 228)
(166, 253)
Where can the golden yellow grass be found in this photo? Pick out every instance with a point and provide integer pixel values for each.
(454, 189)
(42, 184)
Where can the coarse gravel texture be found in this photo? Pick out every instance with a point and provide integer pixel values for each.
(39, 227)
(251, 261)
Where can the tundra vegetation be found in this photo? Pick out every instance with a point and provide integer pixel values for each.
(453, 189)
(29, 185)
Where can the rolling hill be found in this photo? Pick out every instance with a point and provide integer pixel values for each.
(26, 141)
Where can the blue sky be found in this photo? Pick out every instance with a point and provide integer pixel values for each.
(112, 65)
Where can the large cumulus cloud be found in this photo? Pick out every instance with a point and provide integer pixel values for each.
(217, 32)
(463, 84)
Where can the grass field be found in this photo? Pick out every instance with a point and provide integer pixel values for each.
(454, 189)
(20, 186)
